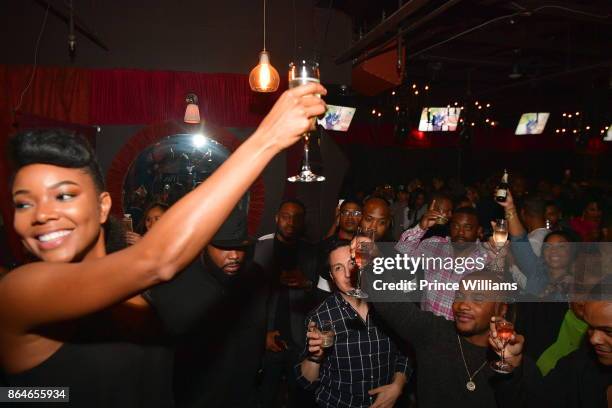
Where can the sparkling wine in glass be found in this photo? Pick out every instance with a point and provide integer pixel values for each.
(505, 331)
(363, 256)
(500, 232)
(302, 73)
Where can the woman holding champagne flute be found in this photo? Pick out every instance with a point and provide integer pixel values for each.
(67, 320)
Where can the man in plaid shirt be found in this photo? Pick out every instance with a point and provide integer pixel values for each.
(363, 368)
(462, 242)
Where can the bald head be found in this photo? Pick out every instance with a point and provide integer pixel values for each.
(598, 316)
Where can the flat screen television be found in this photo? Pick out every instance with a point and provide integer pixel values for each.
(532, 123)
(439, 119)
(608, 136)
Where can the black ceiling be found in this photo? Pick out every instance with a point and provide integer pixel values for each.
(534, 52)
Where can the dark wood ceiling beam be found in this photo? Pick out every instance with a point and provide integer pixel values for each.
(379, 32)
(565, 9)
(78, 24)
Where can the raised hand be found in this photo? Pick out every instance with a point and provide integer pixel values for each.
(132, 237)
(291, 115)
(509, 203)
(430, 217)
(513, 352)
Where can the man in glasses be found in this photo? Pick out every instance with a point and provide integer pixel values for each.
(375, 221)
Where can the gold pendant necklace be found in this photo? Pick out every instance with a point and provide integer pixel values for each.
(470, 385)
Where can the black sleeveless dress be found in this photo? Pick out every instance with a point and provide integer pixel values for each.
(103, 371)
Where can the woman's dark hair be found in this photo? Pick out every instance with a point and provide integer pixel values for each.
(141, 229)
(568, 235)
(58, 147)
(588, 199)
(64, 148)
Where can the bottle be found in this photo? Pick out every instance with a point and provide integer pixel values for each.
(127, 222)
(502, 189)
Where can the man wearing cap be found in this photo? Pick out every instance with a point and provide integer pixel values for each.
(217, 307)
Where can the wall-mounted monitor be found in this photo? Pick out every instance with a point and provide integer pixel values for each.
(532, 123)
(439, 119)
(608, 136)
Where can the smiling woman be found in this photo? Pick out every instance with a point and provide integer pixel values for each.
(75, 318)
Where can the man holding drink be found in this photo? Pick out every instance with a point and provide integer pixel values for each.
(363, 366)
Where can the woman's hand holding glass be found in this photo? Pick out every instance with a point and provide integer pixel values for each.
(292, 115)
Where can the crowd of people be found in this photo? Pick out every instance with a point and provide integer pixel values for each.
(189, 311)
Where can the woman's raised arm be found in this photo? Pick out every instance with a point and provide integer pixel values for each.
(46, 292)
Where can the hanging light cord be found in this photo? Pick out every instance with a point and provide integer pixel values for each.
(264, 25)
(42, 29)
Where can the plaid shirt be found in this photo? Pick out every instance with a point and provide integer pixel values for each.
(439, 302)
(362, 358)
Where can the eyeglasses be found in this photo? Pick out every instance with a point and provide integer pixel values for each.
(351, 213)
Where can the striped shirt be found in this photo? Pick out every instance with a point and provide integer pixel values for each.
(362, 358)
(439, 302)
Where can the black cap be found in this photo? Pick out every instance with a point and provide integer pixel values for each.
(233, 233)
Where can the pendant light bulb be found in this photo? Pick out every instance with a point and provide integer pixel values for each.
(264, 77)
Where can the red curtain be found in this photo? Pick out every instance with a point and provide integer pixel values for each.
(124, 96)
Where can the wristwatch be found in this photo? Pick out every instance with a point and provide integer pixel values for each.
(314, 359)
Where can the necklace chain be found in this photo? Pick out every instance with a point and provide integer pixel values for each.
(465, 363)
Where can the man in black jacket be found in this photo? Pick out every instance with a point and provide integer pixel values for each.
(290, 265)
(217, 309)
(453, 357)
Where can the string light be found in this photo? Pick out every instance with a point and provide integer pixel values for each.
(488, 105)
(557, 131)
(487, 120)
(413, 86)
(476, 103)
(479, 106)
(574, 131)
(456, 103)
(397, 108)
(373, 111)
(563, 130)
(427, 87)
(393, 93)
(577, 113)
(472, 123)
(379, 114)
(569, 116)
(564, 114)
(416, 92)
(493, 123)
(588, 128)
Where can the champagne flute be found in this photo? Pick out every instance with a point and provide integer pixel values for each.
(363, 256)
(500, 232)
(505, 331)
(301, 73)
